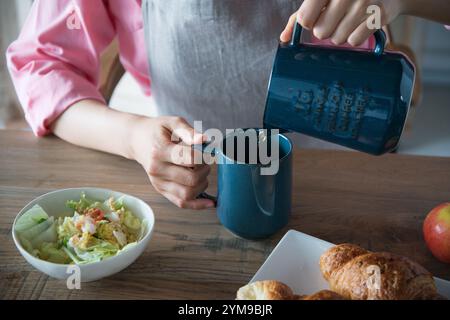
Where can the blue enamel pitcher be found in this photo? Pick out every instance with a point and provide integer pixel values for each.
(355, 98)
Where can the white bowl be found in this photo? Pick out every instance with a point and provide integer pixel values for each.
(54, 203)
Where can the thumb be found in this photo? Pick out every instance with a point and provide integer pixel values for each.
(181, 129)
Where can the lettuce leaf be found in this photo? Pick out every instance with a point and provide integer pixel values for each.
(143, 231)
(119, 203)
(26, 244)
(36, 230)
(98, 251)
(128, 246)
(131, 222)
(72, 255)
(66, 229)
(81, 205)
(32, 217)
(49, 235)
(52, 253)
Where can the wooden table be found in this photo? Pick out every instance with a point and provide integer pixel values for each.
(376, 202)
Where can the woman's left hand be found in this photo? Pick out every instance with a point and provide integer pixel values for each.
(341, 20)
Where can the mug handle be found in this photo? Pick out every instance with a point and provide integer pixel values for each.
(206, 148)
(380, 39)
(207, 196)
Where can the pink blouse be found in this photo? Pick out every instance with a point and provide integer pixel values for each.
(55, 61)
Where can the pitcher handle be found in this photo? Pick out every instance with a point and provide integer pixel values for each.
(380, 39)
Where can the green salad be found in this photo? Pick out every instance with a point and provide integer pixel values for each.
(95, 231)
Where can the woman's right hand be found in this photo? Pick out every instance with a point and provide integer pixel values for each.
(162, 145)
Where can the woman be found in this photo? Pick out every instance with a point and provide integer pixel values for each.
(202, 60)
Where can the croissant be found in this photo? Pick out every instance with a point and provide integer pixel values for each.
(265, 290)
(275, 290)
(358, 274)
(321, 295)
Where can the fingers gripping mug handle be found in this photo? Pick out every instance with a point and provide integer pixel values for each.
(380, 39)
(204, 195)
(208, 149)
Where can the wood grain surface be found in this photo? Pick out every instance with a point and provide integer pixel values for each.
(376, 202)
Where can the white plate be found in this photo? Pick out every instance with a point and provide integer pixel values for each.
(295, 261)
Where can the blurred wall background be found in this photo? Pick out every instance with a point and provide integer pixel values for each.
(431, 43)
(12, 16)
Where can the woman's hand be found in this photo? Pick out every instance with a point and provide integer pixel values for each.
(170, 164)
(150, 141)
(341, 20)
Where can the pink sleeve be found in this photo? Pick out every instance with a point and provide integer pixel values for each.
(55, 61)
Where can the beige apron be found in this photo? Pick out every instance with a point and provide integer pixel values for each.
(211, 60)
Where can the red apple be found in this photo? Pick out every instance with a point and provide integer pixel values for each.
(436, 230)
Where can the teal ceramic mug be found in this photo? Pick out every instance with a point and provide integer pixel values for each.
(254, 197)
